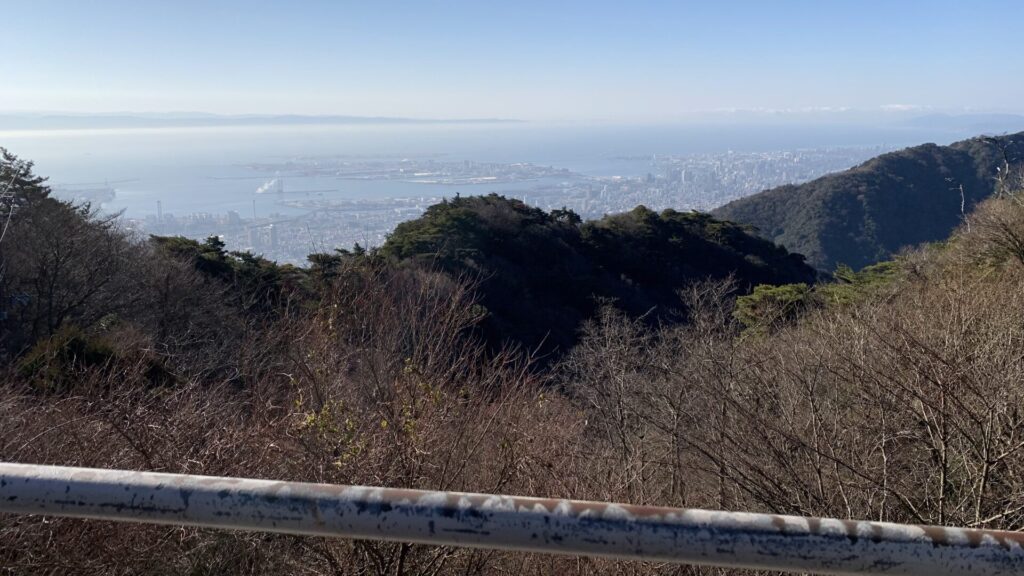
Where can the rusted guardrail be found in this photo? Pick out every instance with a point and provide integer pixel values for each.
(763, 541)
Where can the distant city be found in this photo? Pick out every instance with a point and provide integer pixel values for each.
(315, 220)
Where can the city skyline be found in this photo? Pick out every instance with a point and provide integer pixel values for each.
(594, 61)
(297, 217)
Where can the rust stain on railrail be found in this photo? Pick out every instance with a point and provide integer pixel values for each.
(822, 545)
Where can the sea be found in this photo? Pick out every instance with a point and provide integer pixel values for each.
(209, 169)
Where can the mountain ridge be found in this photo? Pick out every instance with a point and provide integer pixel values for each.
(869, 212)
(542, 274)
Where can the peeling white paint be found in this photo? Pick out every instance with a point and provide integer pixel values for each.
(765, 541)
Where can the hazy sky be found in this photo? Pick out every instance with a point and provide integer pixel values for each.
(625, 60)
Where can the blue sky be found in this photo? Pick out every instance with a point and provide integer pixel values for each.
(595, 60)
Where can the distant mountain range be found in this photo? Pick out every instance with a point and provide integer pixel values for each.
(894, 117)
(869, 212)
(70, 121)
(976, 123)
(970, 123)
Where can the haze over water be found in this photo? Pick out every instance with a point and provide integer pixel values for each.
(207, 169)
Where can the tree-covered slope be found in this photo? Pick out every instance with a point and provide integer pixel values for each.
(865, 214)
(541, 274)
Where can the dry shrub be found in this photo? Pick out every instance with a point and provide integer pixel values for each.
(384, 386)
(903, 405)
(994, 232)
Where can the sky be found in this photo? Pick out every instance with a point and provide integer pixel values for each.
(549, 60)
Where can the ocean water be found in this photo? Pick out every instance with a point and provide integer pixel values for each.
(207, 169)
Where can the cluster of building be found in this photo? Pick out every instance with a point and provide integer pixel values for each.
(697, 182)
(321, 224)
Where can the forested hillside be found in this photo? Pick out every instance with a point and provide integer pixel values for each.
(870, 212)
(539, 275)
(890, 393)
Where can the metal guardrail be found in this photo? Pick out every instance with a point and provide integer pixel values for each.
(760, 541)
